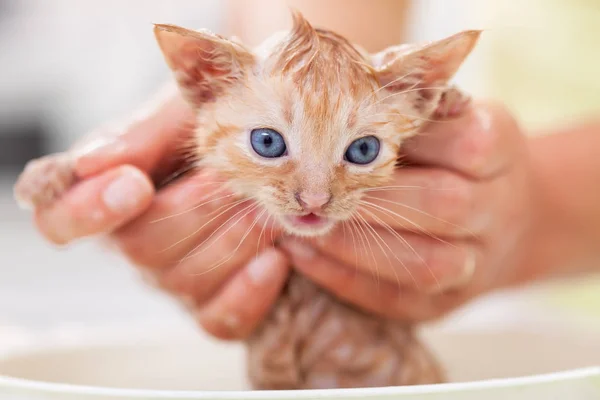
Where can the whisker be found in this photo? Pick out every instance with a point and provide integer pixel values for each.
(420, 212)
(362, 245)
(409, 117)
(406, 187)
(365, 242)
(261, 233)
(386, 86)
(354, 247)
(419, 228)
(248, 209)
(212, 268)
(358, 246)
(375, 236)
(414, 89)
(272, 238)
(202, 184)
(374, 261)
(405, 242)
(235, 204)
(175, 175)
(191, 209)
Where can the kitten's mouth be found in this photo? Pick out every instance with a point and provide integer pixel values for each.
(308, 224)
(308, 219)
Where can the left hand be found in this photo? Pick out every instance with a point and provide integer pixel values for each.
(229, 288)
(454, 224)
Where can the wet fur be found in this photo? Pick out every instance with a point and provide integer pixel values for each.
(321, 93)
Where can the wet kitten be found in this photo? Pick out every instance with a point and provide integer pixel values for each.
(303, 125)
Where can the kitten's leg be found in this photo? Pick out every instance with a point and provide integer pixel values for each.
(452, 103)
(44, 180)
(313, 341)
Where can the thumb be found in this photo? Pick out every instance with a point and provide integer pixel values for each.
(149, 140)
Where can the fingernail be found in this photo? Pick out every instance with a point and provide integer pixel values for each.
(300, 250)
(127, 191)
(260, 269)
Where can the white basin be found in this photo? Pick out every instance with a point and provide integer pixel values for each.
(544, 363)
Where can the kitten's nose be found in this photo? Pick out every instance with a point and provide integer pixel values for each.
(313, 201)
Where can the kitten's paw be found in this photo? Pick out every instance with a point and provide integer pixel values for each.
(452, 103)
(44, 180)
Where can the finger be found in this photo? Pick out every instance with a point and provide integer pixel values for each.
(383, 298)
(180, 215)
(195, 236)
(408, 260)
(184, 218)
(148, 141)
(478, 144)
(203, 270)
(245, 301)
(431, 201)
(97, 205)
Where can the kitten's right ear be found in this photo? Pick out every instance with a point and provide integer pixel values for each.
(204, 64)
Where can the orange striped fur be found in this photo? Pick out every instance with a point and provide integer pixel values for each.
(317, 90)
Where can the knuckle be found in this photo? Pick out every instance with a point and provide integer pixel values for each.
(476, 149)
(491, 125)
(450, 198)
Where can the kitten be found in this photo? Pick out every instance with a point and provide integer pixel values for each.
(304, 124)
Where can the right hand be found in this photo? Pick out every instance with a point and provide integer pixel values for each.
(115, 197)
(459, 221)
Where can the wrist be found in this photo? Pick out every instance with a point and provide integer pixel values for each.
(560, 238)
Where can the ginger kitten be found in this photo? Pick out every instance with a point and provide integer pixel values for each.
(304, 124)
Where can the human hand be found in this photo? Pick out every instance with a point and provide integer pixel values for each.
(105, 186)
(455, 223)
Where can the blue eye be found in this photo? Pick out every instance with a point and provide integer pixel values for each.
(363, 151)
(267, 142)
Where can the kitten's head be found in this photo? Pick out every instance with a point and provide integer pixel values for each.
(306, 123)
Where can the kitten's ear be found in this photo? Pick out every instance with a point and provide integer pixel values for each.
(418, 68)
(204, 64)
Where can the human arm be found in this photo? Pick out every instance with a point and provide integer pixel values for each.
(567, 175)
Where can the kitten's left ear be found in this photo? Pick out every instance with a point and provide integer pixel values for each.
(204, 64)
(418, 68)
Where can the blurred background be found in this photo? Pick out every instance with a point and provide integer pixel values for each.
(67, 66)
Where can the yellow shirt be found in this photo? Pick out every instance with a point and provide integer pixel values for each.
(542, 58)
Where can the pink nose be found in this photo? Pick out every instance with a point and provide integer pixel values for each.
(313, 201)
